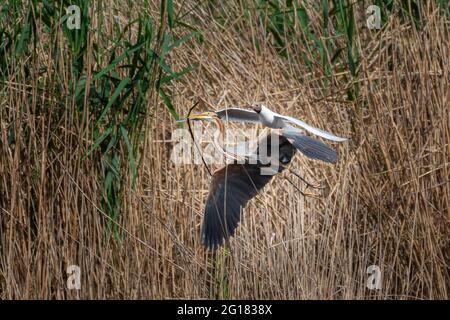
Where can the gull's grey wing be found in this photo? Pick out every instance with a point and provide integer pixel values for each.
(231, 188)
(310, 147)
(238, 115)
(316, 131)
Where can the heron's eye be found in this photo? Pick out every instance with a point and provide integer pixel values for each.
(285, 159)
(257, 108)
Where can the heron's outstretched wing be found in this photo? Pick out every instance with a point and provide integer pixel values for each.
(310, 147)
(313, 130)
(231, 188)
(238, 115)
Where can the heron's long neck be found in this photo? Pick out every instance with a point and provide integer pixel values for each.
(219, 124)
(220, 144)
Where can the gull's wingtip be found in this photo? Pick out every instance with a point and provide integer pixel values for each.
(342, 139)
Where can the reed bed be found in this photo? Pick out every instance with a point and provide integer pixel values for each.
(86, 123)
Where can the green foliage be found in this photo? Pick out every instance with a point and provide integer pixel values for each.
(16, 29)
(281, 18)
(120, 91)
(131, 70)
(289, 29)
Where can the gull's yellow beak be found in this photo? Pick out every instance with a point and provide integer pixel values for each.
(207, 115)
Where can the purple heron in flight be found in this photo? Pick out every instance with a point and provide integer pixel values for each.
(235, 184)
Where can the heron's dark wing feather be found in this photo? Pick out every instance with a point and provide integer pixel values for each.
(231, 188)
(310, 147)
(238, 115)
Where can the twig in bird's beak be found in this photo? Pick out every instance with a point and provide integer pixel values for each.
(193, 138)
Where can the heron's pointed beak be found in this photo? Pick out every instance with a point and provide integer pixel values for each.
(208, 115)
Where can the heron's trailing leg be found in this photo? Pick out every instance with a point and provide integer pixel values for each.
(308, 184)
(303, 193)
